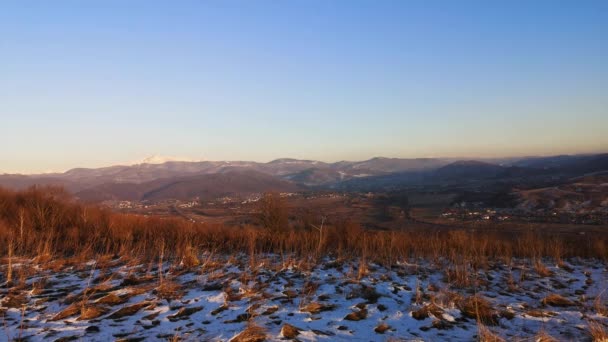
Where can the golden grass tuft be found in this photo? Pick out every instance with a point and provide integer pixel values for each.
(484, 334)
(541, 269)
(381, 328)
(543, 336)
(184, 313)
(480, 309)
(92, 312)
(289, 331)
(555, 299)
(316, 307)
(112, 299)
(357, 315)
(426, 311)
(169, 290)
(597, 331)
(129, 310)
(14, 300)
(71, 310)
(253, 333)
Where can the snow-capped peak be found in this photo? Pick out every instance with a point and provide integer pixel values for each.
(158, 159)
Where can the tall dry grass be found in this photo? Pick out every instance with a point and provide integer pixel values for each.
(46, 223)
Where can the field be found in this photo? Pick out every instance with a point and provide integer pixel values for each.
(69, 271)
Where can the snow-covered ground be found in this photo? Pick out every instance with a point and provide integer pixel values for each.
(335, 300)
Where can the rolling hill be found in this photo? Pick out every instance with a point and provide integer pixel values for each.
(206, 186)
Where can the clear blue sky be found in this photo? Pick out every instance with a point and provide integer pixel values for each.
(92, 83)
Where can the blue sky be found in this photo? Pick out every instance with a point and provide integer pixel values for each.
(94, 83)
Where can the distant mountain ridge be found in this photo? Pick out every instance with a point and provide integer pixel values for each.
(184, 179)
(144, 172)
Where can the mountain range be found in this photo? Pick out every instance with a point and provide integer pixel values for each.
(159, 179)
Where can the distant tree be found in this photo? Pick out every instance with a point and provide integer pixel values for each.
(273, 213)
(402, 201)
(383, 207)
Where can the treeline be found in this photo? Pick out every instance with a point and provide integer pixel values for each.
(46, 223)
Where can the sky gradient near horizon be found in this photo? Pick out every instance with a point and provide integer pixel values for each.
(97, 83)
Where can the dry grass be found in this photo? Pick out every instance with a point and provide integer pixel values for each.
(541, 269)
(184, 313)
(357, 315)
(51, 225)
(540, 313)
(597, 331)
(71, 310)
(484, 334)
(112, 299)
(543, 336)
(557, 300)
(599, 304)
(426, 311)
(219, 309)
(382, 328)
(316, 307)
(270, 310)
(289, 331)
(129, 310)
(14, 300)
(480, 309)
(92, 312)
(59, 232)
(169, 290)
(252, 333)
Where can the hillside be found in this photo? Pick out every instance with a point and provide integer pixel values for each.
(186, 179)
(580, 195)
(206, 186)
